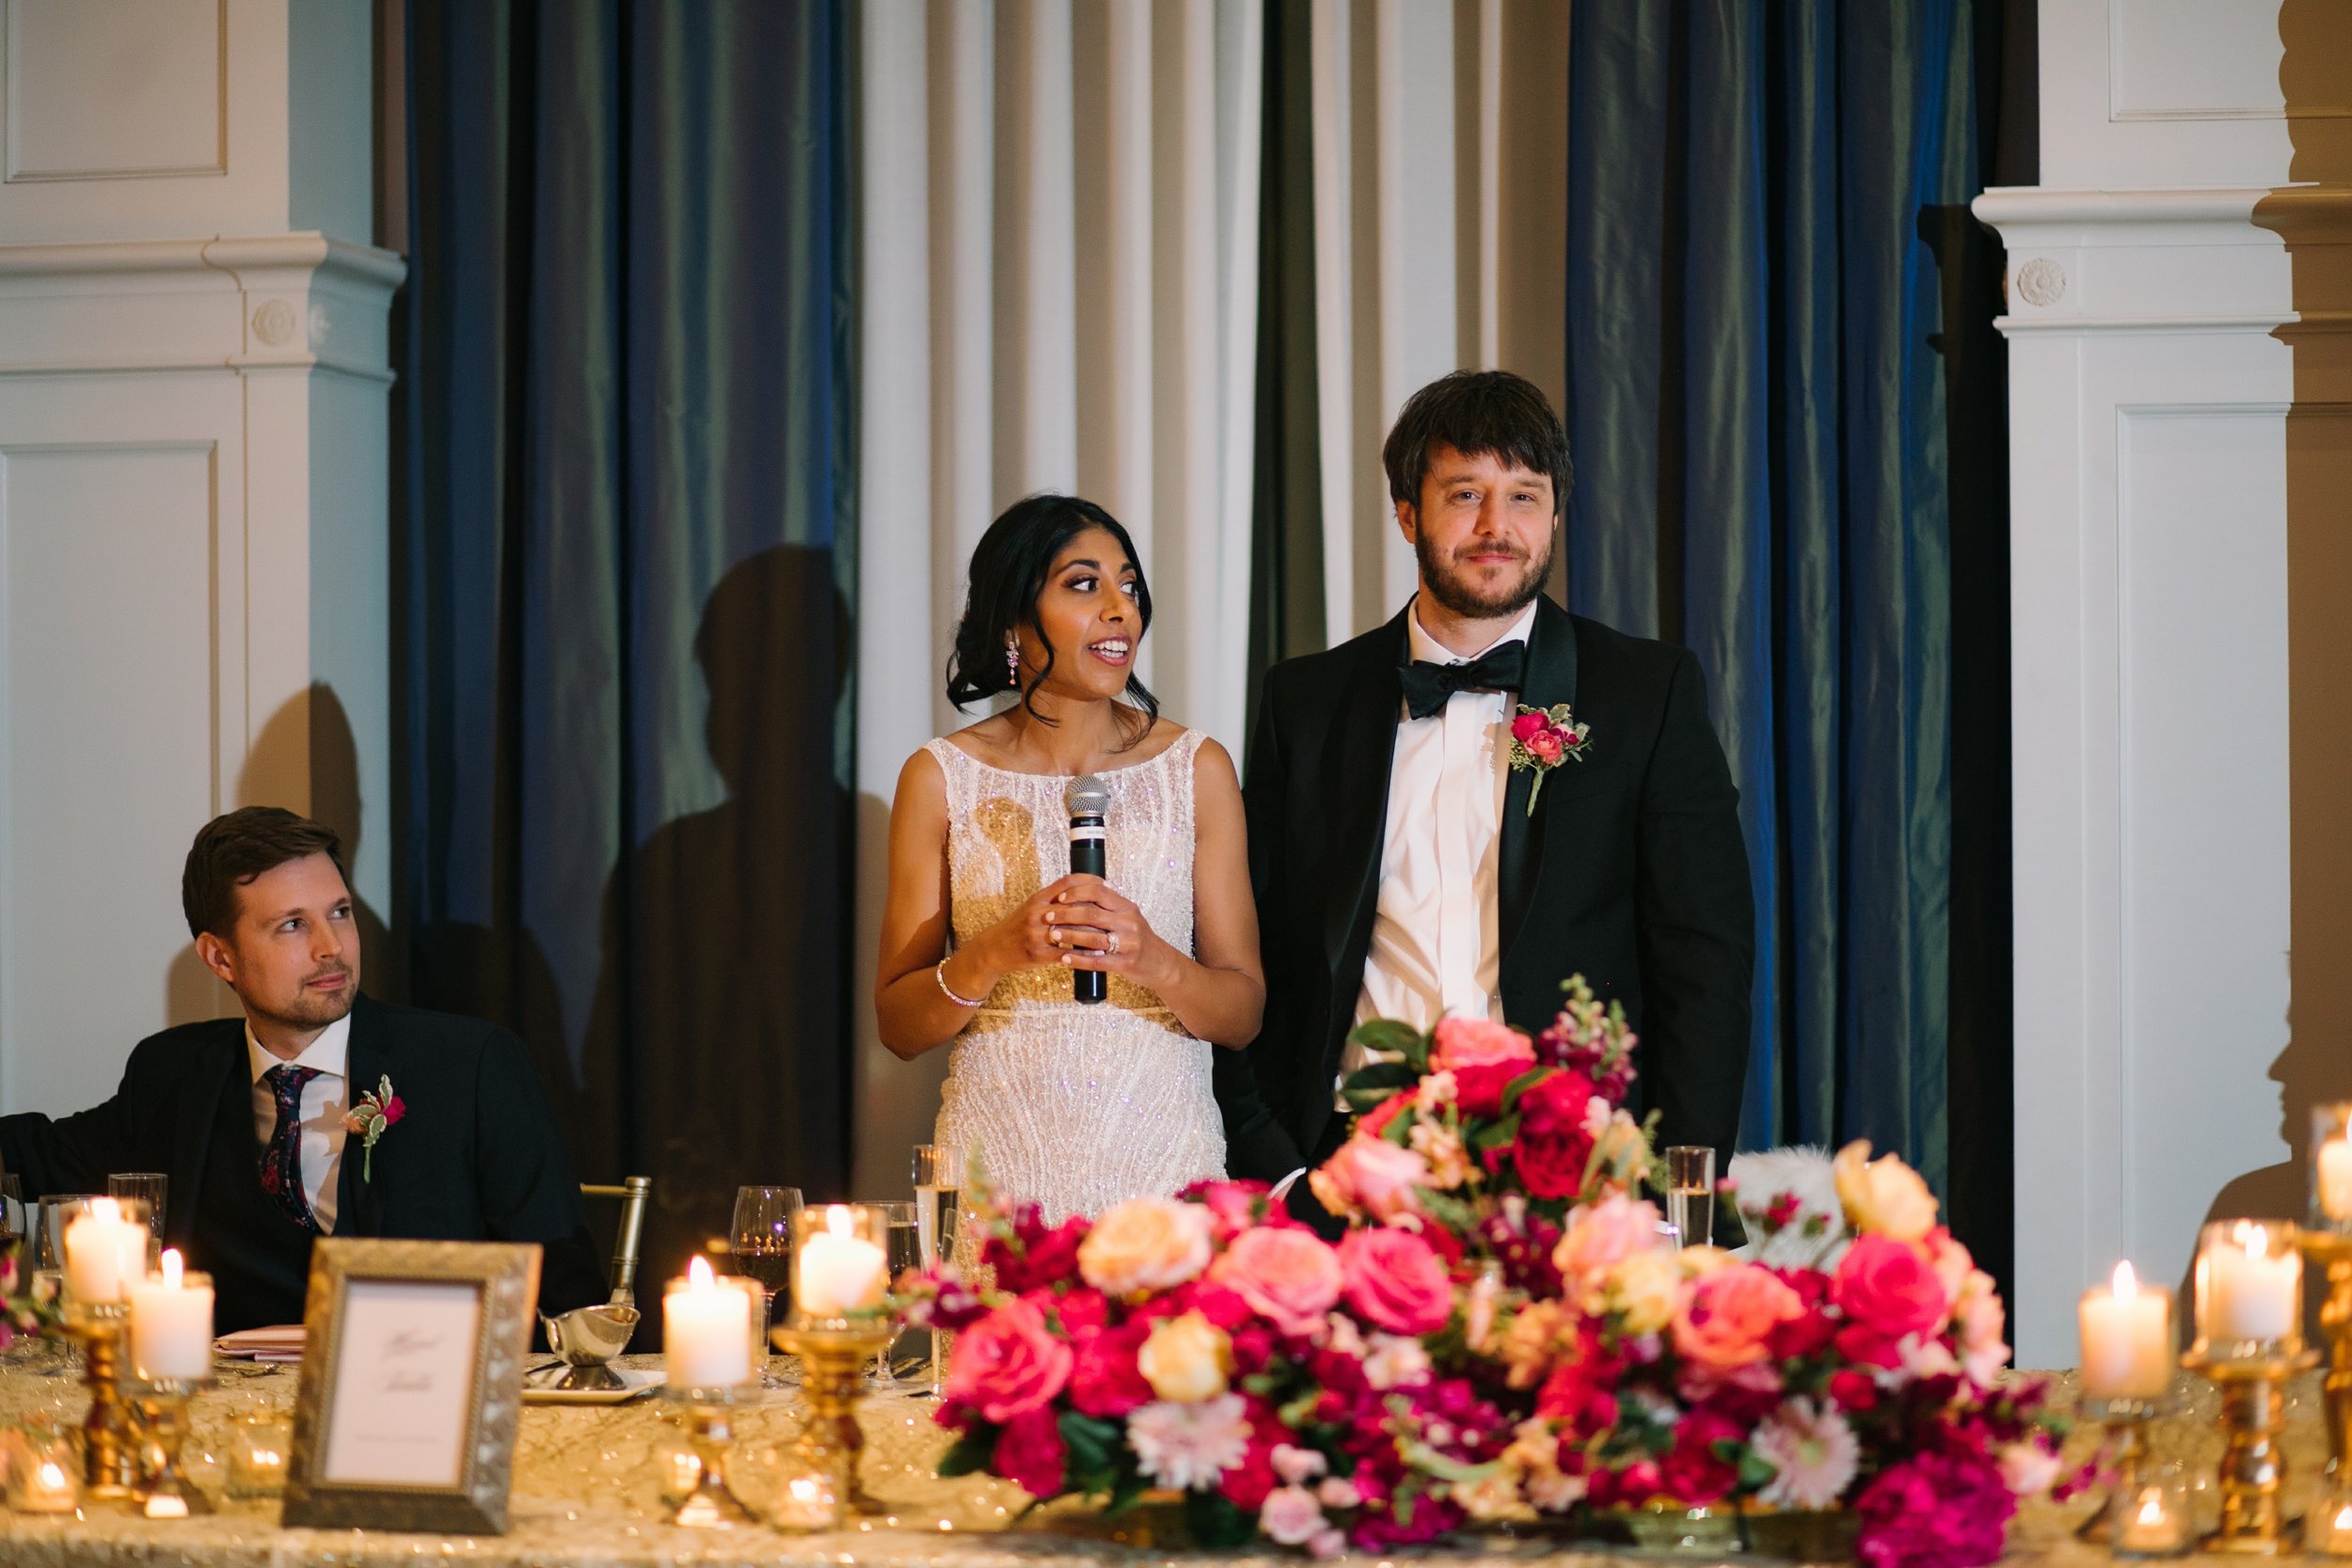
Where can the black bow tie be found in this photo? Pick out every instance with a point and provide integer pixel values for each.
(1502, 668)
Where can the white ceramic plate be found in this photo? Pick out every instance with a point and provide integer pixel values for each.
(637, 1381)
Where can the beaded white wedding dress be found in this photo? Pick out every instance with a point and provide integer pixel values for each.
(1072, 1106)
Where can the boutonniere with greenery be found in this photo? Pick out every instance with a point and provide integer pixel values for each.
(1543, 739)
(378, 1109)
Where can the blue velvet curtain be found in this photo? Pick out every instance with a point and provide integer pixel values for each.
(1787, 422)
(623, 570)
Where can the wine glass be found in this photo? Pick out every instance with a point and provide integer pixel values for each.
(761, 1240)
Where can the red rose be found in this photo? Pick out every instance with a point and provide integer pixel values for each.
(1692, 1472)
(1853, 1391)
(1045, 1258)
(1030, 1452)
(1889, 1289)
(394, 1109)
(1554, 1148)
(1008, 1363)
(1484, 1057)
(1080, 1310)
(1396, 1281)
(1104, 1379)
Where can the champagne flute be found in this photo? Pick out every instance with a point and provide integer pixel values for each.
(938, 1185)
(149, 1187)
(905, 1252)
(761, 1240)
(1690, 1193)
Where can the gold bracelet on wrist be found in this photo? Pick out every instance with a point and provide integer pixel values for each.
(939, 973)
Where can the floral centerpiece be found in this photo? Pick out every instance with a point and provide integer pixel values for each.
(1210, 1345)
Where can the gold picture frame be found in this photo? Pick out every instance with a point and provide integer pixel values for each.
(411, 1390)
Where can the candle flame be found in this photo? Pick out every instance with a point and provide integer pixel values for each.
(2152, 1508)
(838, 1219)
(105, 1209)
(2126, 1283)
(173, 1268)
(699, 1275)
(51, 1476)
(2257, 1241)
(2343, 1517)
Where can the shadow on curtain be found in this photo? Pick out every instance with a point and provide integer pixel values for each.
(1787, 410)
(622, 566)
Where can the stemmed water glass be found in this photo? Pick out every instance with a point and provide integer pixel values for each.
(761, 1240)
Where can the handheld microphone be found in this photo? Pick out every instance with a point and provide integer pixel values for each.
(1089, 801)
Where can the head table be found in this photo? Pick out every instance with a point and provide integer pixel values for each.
(587, 1494)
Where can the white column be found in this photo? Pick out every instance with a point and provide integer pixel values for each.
(2161, 296)
(194, 567)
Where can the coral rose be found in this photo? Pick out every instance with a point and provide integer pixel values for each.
(1888, 1289)
(1371, 1175)
(1484, 1057)
(1186, 1359)
(1554, 1146)
(1146, 1244)
(1396, 1281)
(1290, 1277)
(1883, 1195)
(1730, 1317)
(1603, 1235)
(1007, 1363)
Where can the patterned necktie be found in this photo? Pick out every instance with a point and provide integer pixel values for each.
(281, 1162)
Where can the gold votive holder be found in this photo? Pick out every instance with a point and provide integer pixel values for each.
(164, 1490)
(2248, 1282)
(806, 1502)
(2254, 1467)
(706, 1500)
(833, 1380)
(2332, 1253)
(2152, 1515)
(42, 1471)
(258, 1445)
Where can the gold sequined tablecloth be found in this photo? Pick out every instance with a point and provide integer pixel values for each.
(586, 1496)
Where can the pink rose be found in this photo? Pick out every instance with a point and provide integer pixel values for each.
(1604, 1234)
(1371, 1175)
(1890, 1287)
(1290, 1277)
(1030, 1452)
(1290, 1515)
(1730, 1317)
(1546, 747)
(1008, 1363)
(1396, 1281)
(1484, 1057)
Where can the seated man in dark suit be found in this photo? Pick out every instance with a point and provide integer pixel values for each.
(247, 1115)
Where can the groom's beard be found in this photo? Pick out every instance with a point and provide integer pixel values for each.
(1455, 592)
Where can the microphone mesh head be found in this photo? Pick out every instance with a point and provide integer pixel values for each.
(1087, 796)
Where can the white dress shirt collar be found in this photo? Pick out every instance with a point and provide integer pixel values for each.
(1423, 648)
(328, 1053)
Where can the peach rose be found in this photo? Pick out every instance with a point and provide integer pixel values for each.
(1883, 1196)
(1484, 1057)
(1291, 1277)
(1645, 1288)
(1146, 1244)
(1729, 1317)
(1604, 1234)
(1186, 1360)
(1371, 1175)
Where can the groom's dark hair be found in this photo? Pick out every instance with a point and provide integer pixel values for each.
(1477, 413)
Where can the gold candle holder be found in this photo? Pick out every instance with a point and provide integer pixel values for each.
(833, 1380)
(708, 1499)
(109, 1439)
(2126, 1422)
(164, 1490)
(2253, 1464)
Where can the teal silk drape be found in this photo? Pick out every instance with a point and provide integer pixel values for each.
(622, 571)
(1787, 428)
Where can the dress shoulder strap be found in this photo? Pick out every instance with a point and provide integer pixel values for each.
(958, 765)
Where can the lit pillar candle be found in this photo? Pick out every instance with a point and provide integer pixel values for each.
(840, 1272)
(2332, 1176)
(2252, 1288)
(171, 1323)
(2126, 1338)
(706, 1331)
(103, 1253)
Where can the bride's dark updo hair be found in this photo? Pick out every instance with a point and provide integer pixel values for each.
(1009, 571)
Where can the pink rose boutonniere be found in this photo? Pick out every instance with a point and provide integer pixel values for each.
(1542, 739)
(376, 1110)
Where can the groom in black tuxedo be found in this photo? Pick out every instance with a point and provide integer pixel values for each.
(246, 1115)
(1399, 870)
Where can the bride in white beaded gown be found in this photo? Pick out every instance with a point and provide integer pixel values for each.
(1071, 1105)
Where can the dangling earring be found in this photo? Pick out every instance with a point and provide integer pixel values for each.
(1012, 661)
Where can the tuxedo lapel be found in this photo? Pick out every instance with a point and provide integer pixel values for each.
(1551, 680)
(1355, 782)
(368, 1061)
(192, 1129)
